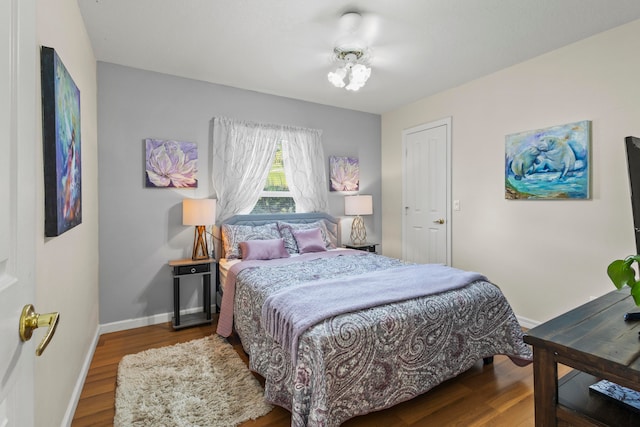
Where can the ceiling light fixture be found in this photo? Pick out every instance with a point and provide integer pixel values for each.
(353, 66)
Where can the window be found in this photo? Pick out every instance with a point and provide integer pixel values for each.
(243, 156)
(275, 197)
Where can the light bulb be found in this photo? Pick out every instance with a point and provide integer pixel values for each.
(337, 77)
(358, 76)
(360, 73)
(353, 86)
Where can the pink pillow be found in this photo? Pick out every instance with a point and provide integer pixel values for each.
(263, 249)
(309, 240)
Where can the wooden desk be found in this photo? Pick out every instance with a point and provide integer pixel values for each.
(595, 340)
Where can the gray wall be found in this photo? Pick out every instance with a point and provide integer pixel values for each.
(141, 229)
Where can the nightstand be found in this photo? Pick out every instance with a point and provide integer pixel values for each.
(188, 267)
(367, 247)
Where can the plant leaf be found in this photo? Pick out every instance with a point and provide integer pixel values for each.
(635, 293)
(621, 273)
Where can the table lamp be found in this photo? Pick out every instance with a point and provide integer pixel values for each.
(358, 205)
(199, 212)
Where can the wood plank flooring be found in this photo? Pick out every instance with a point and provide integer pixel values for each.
(500, 394)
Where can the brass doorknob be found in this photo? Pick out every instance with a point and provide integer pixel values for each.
(439, 221)
(30, 320)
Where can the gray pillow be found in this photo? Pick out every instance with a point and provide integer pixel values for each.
(232, 235)
(286, 231)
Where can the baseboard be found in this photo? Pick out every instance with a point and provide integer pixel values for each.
(123, 325)
(77, 390)
(527, 323)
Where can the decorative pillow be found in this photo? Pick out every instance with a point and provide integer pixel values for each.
(263, 249)
(309, 240)
(232, 235)
(287, 228)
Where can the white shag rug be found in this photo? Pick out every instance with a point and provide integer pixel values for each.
(199, 383)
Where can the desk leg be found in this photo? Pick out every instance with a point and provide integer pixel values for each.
(176, 301)
(206, 280)
(545, 383)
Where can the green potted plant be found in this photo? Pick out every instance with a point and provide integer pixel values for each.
(622, 273)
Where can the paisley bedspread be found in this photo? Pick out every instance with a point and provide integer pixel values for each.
(369, 360)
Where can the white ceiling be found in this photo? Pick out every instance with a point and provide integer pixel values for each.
(283, 47)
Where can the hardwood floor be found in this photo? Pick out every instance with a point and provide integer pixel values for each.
(500, 394)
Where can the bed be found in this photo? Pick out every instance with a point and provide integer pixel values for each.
(357, 360)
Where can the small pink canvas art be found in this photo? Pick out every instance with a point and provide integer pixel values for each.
(344, 173)
(171, 164)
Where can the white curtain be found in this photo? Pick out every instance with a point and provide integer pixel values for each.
(304, 167)
(242, 156)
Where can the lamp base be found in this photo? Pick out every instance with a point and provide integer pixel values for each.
(358, 231)
(200, 249)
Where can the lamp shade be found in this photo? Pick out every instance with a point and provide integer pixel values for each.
(358, 205)
(198, 211)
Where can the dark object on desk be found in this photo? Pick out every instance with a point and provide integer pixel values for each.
(632, 316)
(633, 165)
(618, 394)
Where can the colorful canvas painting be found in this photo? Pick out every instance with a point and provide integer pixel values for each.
(344, 173)
(171, 164)
(61, 140)
(550, 163)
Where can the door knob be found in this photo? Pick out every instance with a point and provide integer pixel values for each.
(30, 320)
(439, 221)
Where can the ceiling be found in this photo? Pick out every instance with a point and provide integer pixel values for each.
(283, 47)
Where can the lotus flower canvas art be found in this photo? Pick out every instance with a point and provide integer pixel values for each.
(171, 164)
(345, 173)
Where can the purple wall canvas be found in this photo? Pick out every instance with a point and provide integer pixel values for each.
(344, 173)
(170, 164)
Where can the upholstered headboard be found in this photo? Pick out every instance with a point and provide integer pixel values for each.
(332, 223)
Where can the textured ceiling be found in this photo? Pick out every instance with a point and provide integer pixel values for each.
(283, 47)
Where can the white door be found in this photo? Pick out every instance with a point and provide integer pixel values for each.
(426, 227)
(18, 77)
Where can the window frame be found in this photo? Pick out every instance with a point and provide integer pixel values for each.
(273, 193)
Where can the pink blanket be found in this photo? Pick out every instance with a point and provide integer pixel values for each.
(287, 314)
(225, 320)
